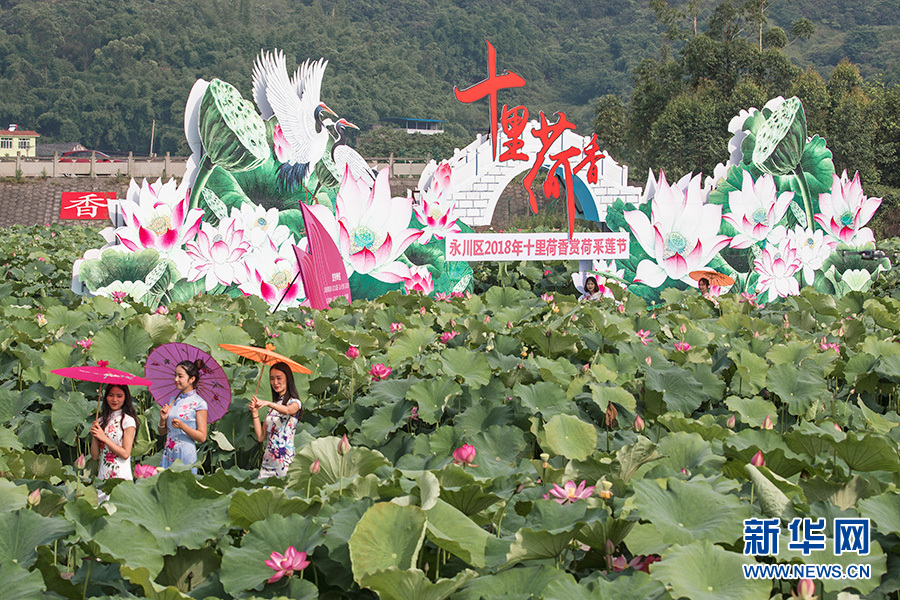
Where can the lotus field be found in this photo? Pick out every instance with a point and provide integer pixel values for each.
(511, 443)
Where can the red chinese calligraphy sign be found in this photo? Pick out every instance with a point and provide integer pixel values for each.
(537, 246)
(85, 205)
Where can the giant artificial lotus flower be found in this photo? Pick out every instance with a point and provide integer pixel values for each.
(777, 268)
(272, 275)
(218, 254)
(845, 210)
(370, 228)
(260, 226)
(813, 249)
(755, 209)
(680, 235)
(157, 217)
(436, 211)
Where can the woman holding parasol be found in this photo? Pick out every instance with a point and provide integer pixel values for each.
(183, 420)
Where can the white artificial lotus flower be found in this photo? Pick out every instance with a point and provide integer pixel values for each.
(218, 254)
(813, 249)
(260, 226)
(157, 216)
(846, 210)
(755, 209)
(437, 215)
(272, 274)
(135, 289)
(777, 274)
(370, 228)
(680, 236)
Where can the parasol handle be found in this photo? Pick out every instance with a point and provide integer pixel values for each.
(262, 368)
(99, 400)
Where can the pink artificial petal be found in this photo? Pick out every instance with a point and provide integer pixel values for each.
(127, 243)
(363, 261)
(168, 239)
(147, 238)
(383, 253)
(178, 212)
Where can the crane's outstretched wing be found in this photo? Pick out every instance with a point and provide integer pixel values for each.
(347, 157)
(264, 68)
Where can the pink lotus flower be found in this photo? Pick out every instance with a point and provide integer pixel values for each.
(509, 325)
(144, 471)
(777, 272)
(570, 492)
(806, 589)
(85, 344)
(414, 414)
(648, 360)
(285, 565)
(34, 498)
(767, 423)
(547, 297)
(620, 308)
(825, 345)
(682, 346)
(395, 327)
(343, 446)
(315, 467)
(731, 422)
(546, 271)
(680, 236)
(162, 310)
(41, 319)
(80, 462)
(352, 352)
(217, 255)
(422, 309)
(755, 209)
(487, 319)
(758, 460)
(464, 456)
(638, 424)
(309, 323)
(643, 335)
(419, 280)
(448, 335)
(845, 210)
(379, 372)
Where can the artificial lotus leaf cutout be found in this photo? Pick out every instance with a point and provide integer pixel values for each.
(173, 507)
(412, 584)
(386, 536)
(688, 511)
(703, 571)
(570, 437)
(244, 568)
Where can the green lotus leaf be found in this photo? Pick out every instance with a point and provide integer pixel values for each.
(780, 458)
(119, 265)
(689, 450)
(159, 328)
(357, 462)
(385, 420)
(781, 139)
(142, 577)
(752, 411)
(12, 496)
(386, 536)
(244, 568)
(867, 452)
(9, 441)
(24, 530)
(127, 544)
(174, 508)
(58, 356)
(61, 317)
(126, 348)
(232, 132)
(208, 336)
(249, 507)
(395, 584)
(752, 370)
(596, 534)
(71, 416)
(499, 450)
(188, 570)
(545, 398)
(883, 510)
(452, 530)
(602, 395)
(521, 582)
(703, 571)
(472, 367)
(409, 344)
(570, 437)
(876, 559)
(678, 386)
(20, 584)
(41, 466)
(538, 545)
(432, 396)
(689, 511)
(772, 501)
(705, 426)
(801, 389)
(553, 517)
(632, 457)
(460, 490)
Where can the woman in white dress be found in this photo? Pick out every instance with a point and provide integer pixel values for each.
(114, 433)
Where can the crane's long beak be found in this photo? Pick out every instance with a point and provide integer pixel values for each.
(324, 108)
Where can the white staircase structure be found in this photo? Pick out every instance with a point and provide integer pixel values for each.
(477, 180)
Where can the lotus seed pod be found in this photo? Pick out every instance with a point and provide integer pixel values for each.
(232, 132)
(781, 140)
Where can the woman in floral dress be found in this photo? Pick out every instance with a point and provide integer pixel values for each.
(184, 417)
(114, 433)
(281, 421)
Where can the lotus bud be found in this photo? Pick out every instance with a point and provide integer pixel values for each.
(545, 457)
(648, 360)
(838, 427)
(509, 324)
(806, 589)
(352, 352)
(343, 446)
(731, 422)
(34, 498)
(620, 308)
(685, 472)
(80, 462)
(767, 423)
(638, 424)
(585, 368)
(610, 547)
(683, 328)
(758, 460)
(487, 319)
(315, 467)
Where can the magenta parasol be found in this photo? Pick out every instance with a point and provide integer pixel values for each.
(213, 386)
(100, 373)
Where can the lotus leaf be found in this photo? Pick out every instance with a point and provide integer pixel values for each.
(174, 508)
(249, 507)
(471, 367)
(357, 462)
(386, 536)
(570, 436)
(71, 416)
(801, 389)
(22, 531)
(883, 510)
(244, 568)
(520, 582)
(432, 396)
(703, 571)
(396, 584)
(18, 583)
(453, 531)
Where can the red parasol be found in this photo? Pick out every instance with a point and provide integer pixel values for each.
(213, 386)
(100, 373)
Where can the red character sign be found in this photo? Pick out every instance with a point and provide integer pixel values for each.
(513, 122)
(489, 88)
(85, 205)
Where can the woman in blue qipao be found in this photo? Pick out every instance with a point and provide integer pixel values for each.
(281, 421)
(184, 417)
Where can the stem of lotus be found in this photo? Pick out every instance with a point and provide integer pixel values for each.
(87, 578)
(805, 193)
(341, 477)
(752, 488)
(203, 173)
(308, 484)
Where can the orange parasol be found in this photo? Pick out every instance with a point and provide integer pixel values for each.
(714, 277)
(264, 356)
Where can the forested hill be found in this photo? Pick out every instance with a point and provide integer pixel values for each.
(100, 71)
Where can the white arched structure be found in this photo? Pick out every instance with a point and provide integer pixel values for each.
(477, 180)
